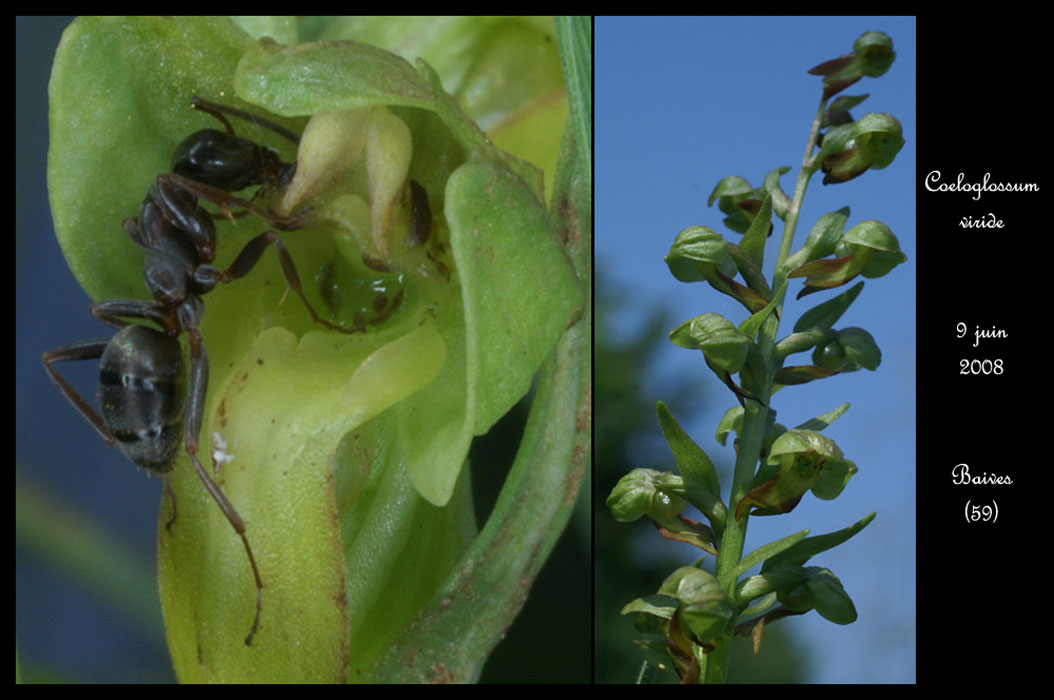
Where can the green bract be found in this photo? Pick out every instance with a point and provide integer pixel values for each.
(343, 453)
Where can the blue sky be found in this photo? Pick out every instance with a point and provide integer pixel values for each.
(680, 104)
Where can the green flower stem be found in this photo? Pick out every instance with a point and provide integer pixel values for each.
(749, 452)
(804, 175)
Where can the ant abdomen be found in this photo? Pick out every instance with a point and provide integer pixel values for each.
(142, 388)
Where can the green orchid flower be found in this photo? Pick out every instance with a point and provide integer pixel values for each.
(343, 453)
(799, 461)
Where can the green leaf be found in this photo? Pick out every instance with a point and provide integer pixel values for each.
(752, 325)
(824, 419)
(754, 239)
(825, 315)
(700, 477)
(764, 552)
(811, 546)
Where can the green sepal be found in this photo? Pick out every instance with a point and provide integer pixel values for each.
(738, 199)
(696, 253)
(871, 142)
(821, 590)
(721, 343)
(874, 243)
(875, 52)
(701, 484)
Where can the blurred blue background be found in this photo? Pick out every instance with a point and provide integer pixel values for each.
(681, 103)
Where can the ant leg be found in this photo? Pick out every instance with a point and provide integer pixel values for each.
(169, 183)
(218, 110)
(250, 255)
(109, 312)
(82, 350)
(197, 383)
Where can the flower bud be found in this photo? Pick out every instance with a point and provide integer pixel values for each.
(848, 350)
(875, 52)
(871, 142)
(717, 337)
(869, 248)
(874, 243)
(872, 56)
(646, 492)
(738, 199)
(697, 252)
(704, 607)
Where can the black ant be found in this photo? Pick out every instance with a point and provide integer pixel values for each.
(148, 397)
